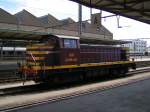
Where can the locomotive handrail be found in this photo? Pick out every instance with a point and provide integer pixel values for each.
(33, 58)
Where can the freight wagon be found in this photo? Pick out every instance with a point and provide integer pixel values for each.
(59, 58)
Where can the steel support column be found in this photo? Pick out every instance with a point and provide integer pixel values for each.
(80, 20)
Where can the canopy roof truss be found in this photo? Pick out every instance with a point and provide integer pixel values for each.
(134, 9)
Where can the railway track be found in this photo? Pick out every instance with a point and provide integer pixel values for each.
(9, 76)
(72, 94)
(10, 80)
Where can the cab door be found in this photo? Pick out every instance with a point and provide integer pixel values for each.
(69, 53)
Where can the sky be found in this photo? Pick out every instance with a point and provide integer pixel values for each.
(62, 9)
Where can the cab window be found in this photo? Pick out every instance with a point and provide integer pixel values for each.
(70, 43)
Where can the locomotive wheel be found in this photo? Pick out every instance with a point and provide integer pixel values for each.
(123, 71)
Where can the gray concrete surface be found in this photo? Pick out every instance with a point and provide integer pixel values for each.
(130, 98)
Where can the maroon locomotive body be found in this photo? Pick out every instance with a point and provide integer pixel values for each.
(101, 53)
(70, 52)
(55, 55)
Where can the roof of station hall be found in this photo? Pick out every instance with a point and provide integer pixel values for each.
(6, 17)
(48, 21)
(26, 18)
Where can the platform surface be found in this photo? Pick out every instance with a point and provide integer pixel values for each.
(130, 98)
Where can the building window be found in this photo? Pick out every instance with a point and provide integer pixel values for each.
(65, 22)
(83, 25)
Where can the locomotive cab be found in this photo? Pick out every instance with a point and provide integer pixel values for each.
(65, 50)
(68, 52)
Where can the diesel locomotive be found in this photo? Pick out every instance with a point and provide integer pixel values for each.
(59, 58)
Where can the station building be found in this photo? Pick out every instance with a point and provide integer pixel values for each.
(25, 21)
(25, 26)
(136, 47)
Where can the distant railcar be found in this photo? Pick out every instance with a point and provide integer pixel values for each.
(13, 52)
(63, 59)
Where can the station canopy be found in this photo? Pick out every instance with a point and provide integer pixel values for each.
(134, 9)
(102, 41)
(25, 36)
(6, 34)
(19, 36)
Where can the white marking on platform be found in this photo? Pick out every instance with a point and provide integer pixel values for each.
(16, 84)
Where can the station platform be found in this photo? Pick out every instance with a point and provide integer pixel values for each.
(16, 84)
(139, 58)
(129, 98)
